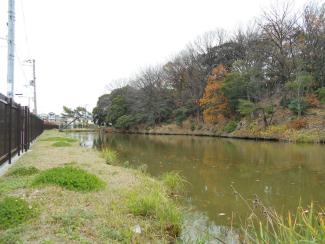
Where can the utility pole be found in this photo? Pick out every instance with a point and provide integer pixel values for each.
(33, 82)
(11, 48)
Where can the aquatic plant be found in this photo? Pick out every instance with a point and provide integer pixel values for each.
(70, 178)
(174, 181)
(306, 225)
(266, 225)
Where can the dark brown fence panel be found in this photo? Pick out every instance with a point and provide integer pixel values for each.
(18, 128)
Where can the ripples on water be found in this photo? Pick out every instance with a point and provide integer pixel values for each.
(280, 174)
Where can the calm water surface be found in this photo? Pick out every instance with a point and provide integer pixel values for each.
(279, 174)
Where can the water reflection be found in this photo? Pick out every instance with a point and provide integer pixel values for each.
(280, 174)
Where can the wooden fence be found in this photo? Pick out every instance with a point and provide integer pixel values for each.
(18, 128)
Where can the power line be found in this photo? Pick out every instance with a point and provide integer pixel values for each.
(21, 67)
(25, 28)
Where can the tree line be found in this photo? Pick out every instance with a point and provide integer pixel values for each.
(279, 60)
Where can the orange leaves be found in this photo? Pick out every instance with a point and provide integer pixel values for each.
(214, 102)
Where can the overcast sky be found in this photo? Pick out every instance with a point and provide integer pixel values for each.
(82, 46)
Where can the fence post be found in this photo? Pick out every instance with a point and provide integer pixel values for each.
(10, 130)
(25, 129)
(18, 136)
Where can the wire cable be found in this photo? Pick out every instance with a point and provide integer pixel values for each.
(25, 28)
(21, 67)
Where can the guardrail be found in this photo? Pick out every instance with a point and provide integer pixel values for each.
(18, 128)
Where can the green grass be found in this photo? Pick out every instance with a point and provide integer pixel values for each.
(174, 181)
(72, 221)
(23, 171)
(306, 225)
(8, 184)
(14, 211)
(11, 236)
(61, 144)
(153, 202)
(70, 178)
(110, 156)
(60, 139)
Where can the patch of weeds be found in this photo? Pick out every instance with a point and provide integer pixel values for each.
(121, 235)
(143, 168)
(70, 178)
(60, 139)
(71, 221)
(174, 181)
(11, 236)
(47, 242)
(61, 144)
(126, 164)
(145, 204)
(306, 225)
(23, 171)
(110, 156)
(8, 184)
(153, 202)
(14, 211)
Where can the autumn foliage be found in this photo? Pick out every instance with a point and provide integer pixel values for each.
(214, 103)
(312, 100)
(297, 124)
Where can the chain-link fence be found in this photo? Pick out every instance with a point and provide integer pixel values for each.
(18, 128)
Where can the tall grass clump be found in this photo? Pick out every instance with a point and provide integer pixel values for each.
(174, 182)
(70, 178)
(153, 202)
(110, 156)
(23, 171)
(306, 225)
(14, 211)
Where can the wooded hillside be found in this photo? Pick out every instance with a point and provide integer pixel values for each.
(275, 64)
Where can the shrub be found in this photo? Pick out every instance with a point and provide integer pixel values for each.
(312, 100)
(110, 156)
(61, 144)
(181, 114)
(298, 106)
(70, 178)
(297, 124)
(23, 171)
(14, 211)
(174, 181)
(230, 126)
(245, 107)
(284, 102)
(321, 95)
(125, 121)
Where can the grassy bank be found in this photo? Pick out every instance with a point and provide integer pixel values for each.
(60, 192)
(285, 127)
